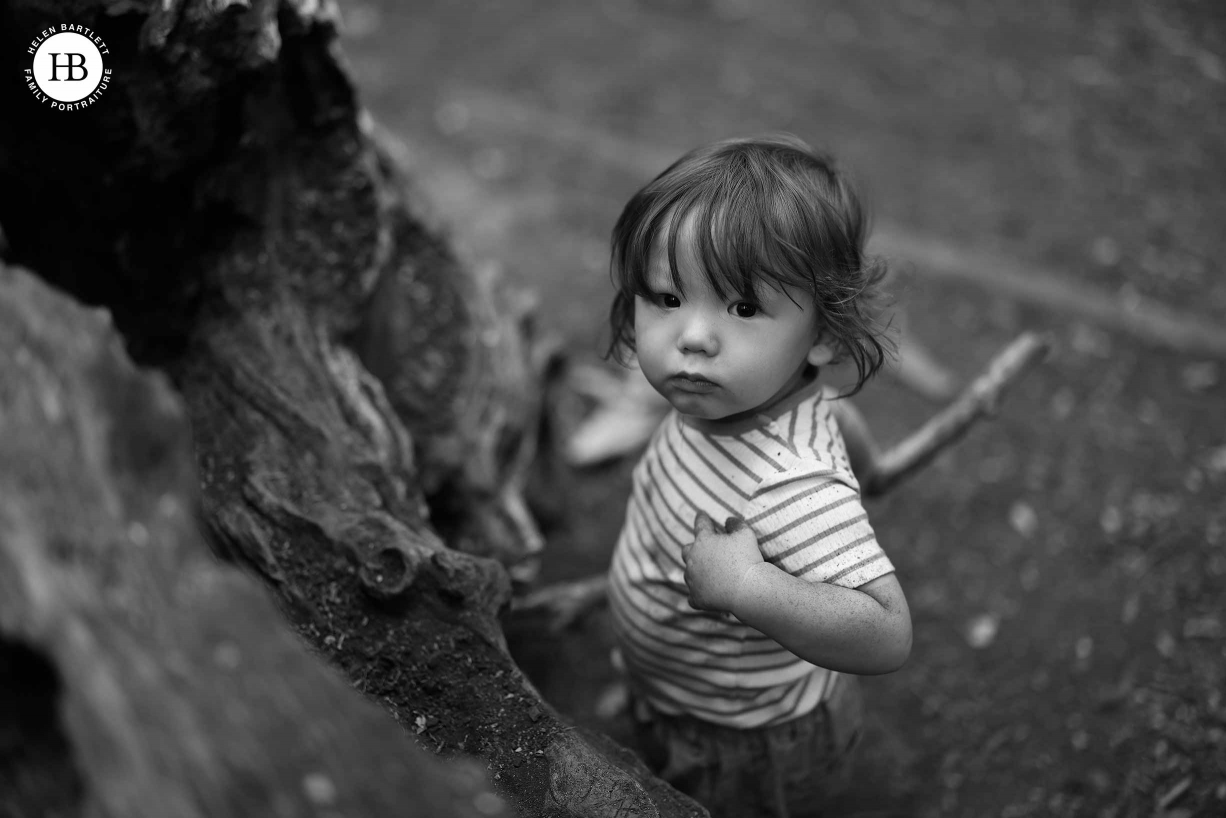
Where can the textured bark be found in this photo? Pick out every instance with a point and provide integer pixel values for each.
(362, 405)
(140, 676)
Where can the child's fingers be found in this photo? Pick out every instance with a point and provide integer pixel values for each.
(703, 524)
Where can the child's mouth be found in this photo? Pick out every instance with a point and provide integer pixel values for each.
(689, 382)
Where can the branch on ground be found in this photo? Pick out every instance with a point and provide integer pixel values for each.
(981, 399)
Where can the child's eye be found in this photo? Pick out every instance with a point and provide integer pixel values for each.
(744, 309)
(667, 300)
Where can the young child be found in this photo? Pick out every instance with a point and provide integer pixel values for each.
(740, 272)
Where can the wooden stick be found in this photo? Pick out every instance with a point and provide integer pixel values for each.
(565, 603)
(978, 400)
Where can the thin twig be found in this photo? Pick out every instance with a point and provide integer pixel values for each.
(565, 602)
(978, 400)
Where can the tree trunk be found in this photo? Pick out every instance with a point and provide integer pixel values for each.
(140, 676)
(362, 405)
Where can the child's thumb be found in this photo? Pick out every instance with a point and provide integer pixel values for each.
(733, 524)
(703, 524)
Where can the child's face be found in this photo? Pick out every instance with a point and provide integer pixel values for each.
(715, 359)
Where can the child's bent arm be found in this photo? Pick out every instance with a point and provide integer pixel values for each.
(865, 630)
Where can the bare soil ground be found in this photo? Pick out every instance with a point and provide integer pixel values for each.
(1065, 565)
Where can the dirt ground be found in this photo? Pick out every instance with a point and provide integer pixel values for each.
(1065, 565)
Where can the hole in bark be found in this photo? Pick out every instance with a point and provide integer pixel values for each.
(391, 566)
(388, 576)
(38, 775)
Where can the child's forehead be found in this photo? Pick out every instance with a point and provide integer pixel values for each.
(693, 261)
(690, 266)
(663, 230)
(685, 248)
(696, 280)
(689, 250)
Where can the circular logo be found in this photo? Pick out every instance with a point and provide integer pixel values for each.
(67, 71)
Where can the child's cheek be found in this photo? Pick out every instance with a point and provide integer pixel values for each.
(648, 331)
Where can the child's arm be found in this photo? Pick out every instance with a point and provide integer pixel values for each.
(864, 630)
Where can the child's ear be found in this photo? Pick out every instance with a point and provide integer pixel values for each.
(821, 353)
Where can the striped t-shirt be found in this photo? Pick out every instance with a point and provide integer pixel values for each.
(787, 475)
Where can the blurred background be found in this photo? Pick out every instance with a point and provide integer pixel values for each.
(1049, 165)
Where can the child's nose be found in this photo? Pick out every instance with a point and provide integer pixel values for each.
(698, 335)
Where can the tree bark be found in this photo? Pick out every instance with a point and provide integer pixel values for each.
(140, 676)
(362, 404)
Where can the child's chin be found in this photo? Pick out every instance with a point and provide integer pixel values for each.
(694, 406)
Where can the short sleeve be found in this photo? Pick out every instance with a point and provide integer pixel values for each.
(812, 525)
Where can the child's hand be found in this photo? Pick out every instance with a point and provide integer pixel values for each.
(716, 562)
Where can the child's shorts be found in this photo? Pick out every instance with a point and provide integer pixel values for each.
(786, 770)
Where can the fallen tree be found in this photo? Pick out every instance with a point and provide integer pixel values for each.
(362, 409)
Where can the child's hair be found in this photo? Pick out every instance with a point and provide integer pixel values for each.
(764, 208)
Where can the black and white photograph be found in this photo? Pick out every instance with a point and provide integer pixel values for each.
(612, 409)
